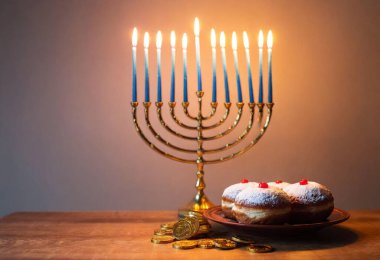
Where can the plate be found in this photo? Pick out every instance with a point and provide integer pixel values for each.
(215, 214)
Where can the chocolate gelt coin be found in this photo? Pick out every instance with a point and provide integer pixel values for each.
(161, 232)
(185, 244)
(192, 213)
(206, 243)
(185, 228)
(162, 239)
(223, 243)
(195, 214)
(242, 240)
(204, 229)
(260, 248)
(168, 225)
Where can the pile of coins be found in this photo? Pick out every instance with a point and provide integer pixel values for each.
(186, 233)
(192, 224)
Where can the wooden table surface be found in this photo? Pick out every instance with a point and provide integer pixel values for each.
(126, 235)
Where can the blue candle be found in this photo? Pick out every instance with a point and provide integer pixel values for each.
(146, 46)
(184, 47)
(250, 87)
(213, 45)
(224, 60)
(134, 80)
(158, 45)
(172, 92)
(238, 84)
(198, 53)
(270, 44)
(261, 43)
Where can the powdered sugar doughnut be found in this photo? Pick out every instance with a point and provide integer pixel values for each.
(311, 201)
(262, 205)
(278, 184)
(230, 193)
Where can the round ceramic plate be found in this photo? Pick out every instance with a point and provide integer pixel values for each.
(215, 214)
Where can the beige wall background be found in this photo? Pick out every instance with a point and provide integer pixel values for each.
(66, 135)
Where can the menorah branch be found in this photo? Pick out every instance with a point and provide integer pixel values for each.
(241, 137)
(221, 121)
(167, 127)
(150, 144)
(252, 143)
(181, 124)
(240, 107)
(177, 121)
(214, 106)
(158, 137)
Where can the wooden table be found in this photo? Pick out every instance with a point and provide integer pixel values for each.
(126, 235)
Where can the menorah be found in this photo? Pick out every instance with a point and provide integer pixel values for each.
(257, 112)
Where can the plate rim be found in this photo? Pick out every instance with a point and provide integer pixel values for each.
(209, 215)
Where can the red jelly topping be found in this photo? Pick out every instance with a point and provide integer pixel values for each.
(244, 181)
(279, 181)
(303, 182)
(263, 185)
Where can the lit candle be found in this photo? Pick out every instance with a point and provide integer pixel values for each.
(223, 48)
(184, 48)
(146, 46)
(134, 80)
(250, 87)
(213, 46)
(172, 43)
(238, 85)
(270, 45)
(198, 52)
(158, 45)
(261, 43)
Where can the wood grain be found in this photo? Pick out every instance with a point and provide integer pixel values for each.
(126, 235)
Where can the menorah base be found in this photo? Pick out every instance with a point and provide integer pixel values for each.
(199, 203)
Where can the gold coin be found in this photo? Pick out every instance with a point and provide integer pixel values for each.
(194, 214)
(160, 232)
(206, 243)
(166, 228)
(203, 229)
(242, 240)
(260, 248)
(167, 231)
(194, 224)
(185, 244)
(223, 243)
(162, 239)
(168, 225)
(185, 228)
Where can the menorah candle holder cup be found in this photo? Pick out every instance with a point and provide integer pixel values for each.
(258, 111)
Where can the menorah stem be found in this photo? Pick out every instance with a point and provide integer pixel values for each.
(200, 201)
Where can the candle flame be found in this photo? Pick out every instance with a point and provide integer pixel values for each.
(146, 40)
(196, 26)
(222, 40)
(270, 40)
(184, 41)
(213, 38)
(159, 40)
(172, 39)
(246, 40)
(234, 41)
(261, 39)
(134, 37)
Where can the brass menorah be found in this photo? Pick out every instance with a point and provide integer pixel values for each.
(259, 114)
